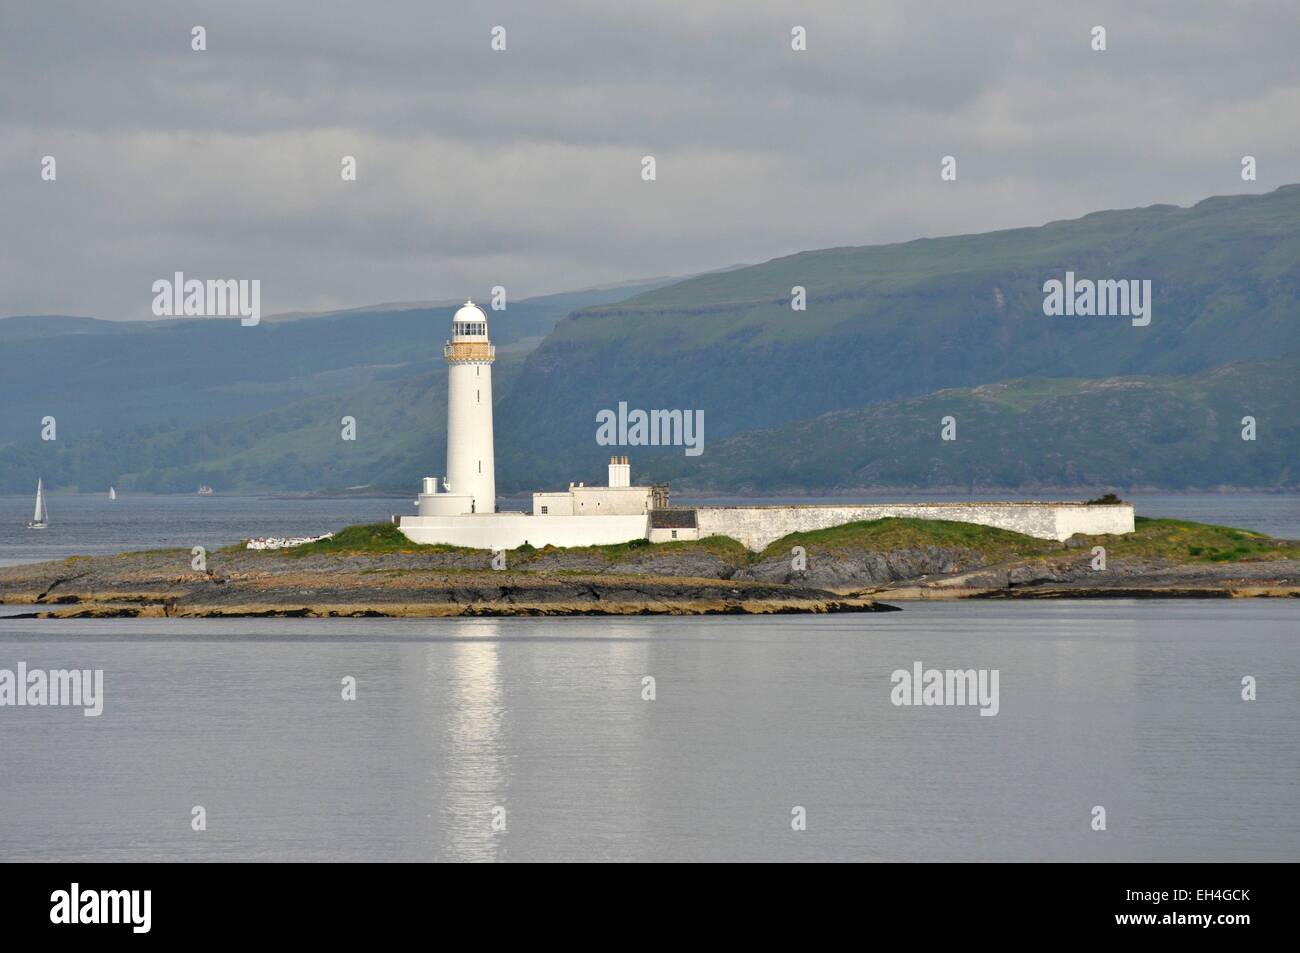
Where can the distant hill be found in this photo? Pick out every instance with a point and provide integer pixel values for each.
(400, 427)
(101, 378)
(28, 327)
(894, 321)
(1177, 433)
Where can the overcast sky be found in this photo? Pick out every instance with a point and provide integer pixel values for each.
(523, 168)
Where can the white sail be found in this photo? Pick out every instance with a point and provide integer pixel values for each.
(41, 516)
(112, 493)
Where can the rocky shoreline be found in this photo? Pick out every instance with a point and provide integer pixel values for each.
(1073, 577)
(270, 584)
(670, 579)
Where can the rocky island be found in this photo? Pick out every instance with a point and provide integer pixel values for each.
(375, 571)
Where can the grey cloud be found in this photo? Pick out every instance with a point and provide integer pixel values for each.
(522, 168)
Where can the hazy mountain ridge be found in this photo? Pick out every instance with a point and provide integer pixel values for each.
(166, 405)
(100, 377)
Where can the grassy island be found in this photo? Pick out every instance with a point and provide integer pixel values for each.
(373, 570)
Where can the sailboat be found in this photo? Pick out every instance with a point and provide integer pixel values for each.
(112, 493)
(41, 519)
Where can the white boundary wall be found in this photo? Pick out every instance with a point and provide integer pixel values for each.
(508, 530)
(759, 526)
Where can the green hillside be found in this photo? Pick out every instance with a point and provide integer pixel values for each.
(1181, 432)
(1170, 432)
(895, 321)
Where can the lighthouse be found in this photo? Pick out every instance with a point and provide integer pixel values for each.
(471, 462)
(461, 508)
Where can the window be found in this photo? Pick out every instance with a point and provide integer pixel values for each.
(480, 466)
(674, 534)
(543, 511)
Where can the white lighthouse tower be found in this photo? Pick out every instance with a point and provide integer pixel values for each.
(471, 462)
(461, 510)
(470, 485)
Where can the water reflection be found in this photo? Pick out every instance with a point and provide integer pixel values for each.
(474, 769)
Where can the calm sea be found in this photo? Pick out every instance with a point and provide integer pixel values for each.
(542, 724)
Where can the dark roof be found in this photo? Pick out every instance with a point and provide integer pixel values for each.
(672, 519)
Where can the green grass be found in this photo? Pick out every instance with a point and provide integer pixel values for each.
(1188, 542)
(372, 538)
(1179, 541)
(894, 532)
(378, 538)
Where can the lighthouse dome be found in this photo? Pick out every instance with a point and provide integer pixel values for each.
(469, 311)
(469, 322)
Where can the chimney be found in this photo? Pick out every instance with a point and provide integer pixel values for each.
(620, 472)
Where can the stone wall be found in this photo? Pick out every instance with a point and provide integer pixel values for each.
(758, 526)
